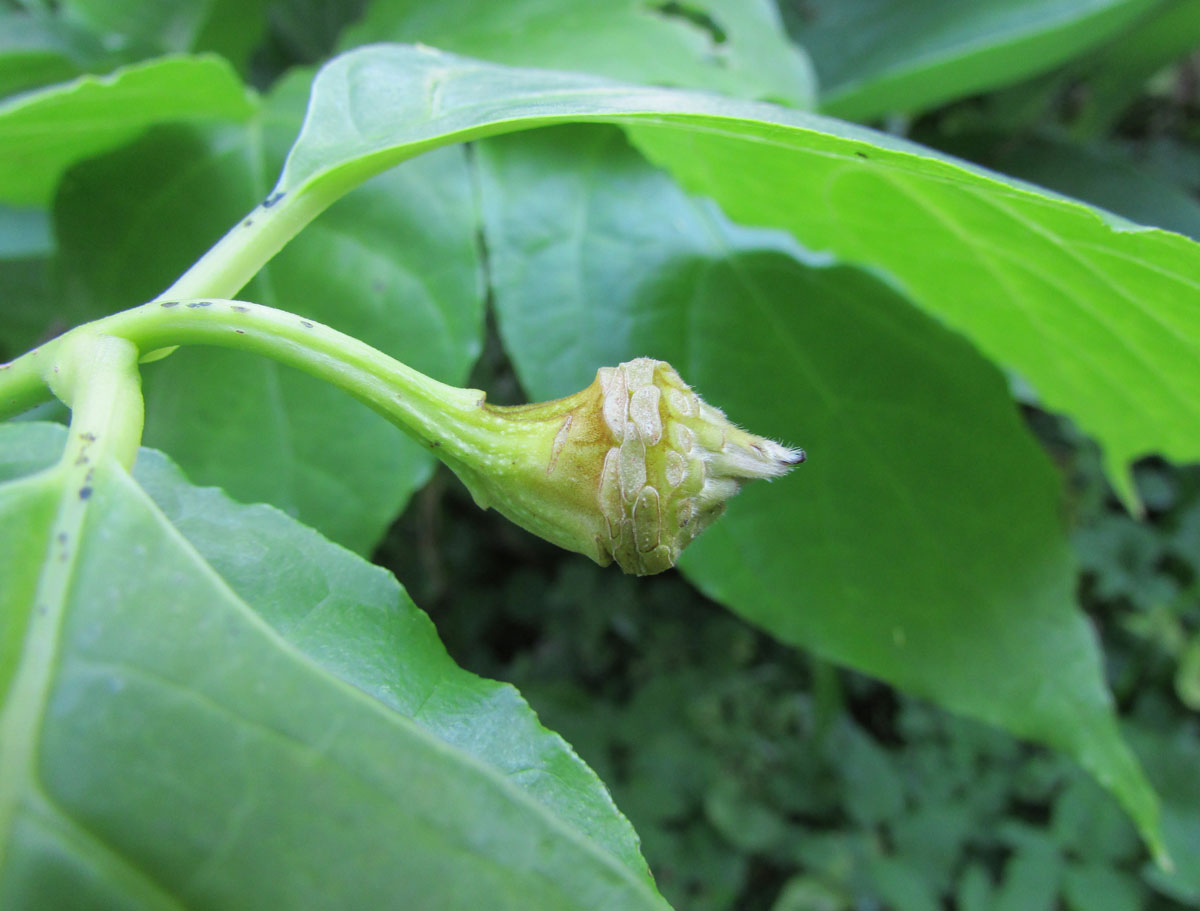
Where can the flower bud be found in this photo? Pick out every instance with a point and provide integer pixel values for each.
(630, 469)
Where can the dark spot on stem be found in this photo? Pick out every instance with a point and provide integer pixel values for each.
(85, 492)
(41, 610)
(248, 222)
(194, 304)
(862, 154)
(62, 537)
(240, 331)
(240, 309)
(166, 305)
(88, 437)
(271, 200)
(306, 324)
(434, 444)
(82, 460)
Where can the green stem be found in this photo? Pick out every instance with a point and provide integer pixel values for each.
(97, 376)
(437, 414)
(236, 258)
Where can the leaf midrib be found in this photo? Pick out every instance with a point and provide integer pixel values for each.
(390, 716)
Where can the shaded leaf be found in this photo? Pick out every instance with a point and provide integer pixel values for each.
(1097, 314)
(227, 27)
(878, 56)
(43, 133)
(866, 555)
(26, 244)
(37, 49)
(238, 713)
(394, 263)
(1103, 174)
(737, 47)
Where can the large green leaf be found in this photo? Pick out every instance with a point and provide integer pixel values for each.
(395, 264)
(737, 47)
(867, 554)
(876, 56)
(220, 709)
(43, 133)
(1099, 315)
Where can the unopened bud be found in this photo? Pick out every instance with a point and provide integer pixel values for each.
(630, 469)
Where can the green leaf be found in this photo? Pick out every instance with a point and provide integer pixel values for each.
(224, 710)
(26, 244)
(737, 47)
(43, 133)
(1098, 887)
(1171, 752)
(394, 263)
(877, 56)
(307, 31)
(37, 49)
(1097, 315)
(1103, 174)
(231, 28)
(867, 555)
(1032, 877)
(1117, 73)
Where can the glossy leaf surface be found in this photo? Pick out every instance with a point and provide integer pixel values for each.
(223, 699)
(865, 554)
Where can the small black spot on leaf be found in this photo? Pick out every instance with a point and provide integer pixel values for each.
(240, 331)
(861, 154)
(272, 199)
(166, 305)
(88, 437)
(85, 492)
(248, 222)
(241, 309)
(306, 324)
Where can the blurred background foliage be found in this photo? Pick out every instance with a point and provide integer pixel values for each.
(757, 776)
(762, 778)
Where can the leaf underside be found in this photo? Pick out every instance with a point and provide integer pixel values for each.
(230, 699)
(865, 554)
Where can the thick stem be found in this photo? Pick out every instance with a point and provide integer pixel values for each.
(97, 376)
(437, 414)
(236, 258)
